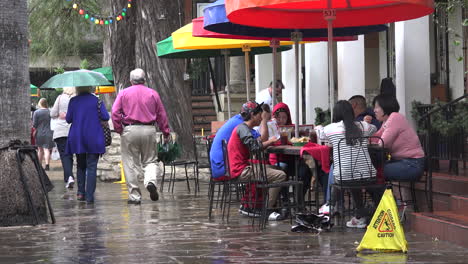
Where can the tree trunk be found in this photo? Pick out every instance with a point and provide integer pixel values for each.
(153, 21)
(15, 119)
(14, 74)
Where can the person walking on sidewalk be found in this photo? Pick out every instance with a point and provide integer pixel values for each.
(86, 139)
(41, 122)
(136, 112)
(62, 128)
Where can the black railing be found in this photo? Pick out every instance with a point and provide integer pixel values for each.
(439, 146)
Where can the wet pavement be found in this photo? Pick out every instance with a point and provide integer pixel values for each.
(176, 229)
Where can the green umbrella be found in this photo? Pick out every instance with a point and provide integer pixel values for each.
(107, 72)
(165, 49)
(76, 79)
(34, 90)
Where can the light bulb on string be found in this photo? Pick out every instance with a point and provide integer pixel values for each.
(86, 16)
(81, 12)
(129, 5)
(75, 6)
(124, 14)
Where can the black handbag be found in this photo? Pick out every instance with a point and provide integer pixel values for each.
(105, 126)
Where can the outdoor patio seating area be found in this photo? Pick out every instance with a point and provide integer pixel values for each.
(176, 229)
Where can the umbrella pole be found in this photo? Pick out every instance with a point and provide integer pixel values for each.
(228, 79)
(274, 44)
(246, 50)
(296, 37)
(330, 15)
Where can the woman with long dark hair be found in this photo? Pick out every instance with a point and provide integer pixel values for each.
(350, 165)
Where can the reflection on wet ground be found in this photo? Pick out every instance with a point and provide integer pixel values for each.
(176, 230)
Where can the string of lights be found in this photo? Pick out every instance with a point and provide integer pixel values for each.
(100, 19)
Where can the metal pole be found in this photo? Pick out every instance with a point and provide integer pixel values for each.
(330, 15)
(296, 37)
(274, 44)
(246, 50)
(228, 79)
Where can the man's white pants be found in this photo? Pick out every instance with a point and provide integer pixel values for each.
(139, 157)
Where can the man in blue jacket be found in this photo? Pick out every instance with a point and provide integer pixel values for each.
(362, 112)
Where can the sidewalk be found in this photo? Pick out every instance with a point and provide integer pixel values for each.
(176, 229)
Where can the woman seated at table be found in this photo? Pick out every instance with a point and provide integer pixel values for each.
(356, 166)
(282, 117)
(407, 162)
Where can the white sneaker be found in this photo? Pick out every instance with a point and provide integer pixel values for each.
(324, 209)
(70, 183)
(357, 223)
(274, 216)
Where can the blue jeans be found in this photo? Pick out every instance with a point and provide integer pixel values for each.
(66, 159)
(331, 181)
(404, 170)
(86, 174)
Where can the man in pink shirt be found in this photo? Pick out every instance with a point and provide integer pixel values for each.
(135, 114)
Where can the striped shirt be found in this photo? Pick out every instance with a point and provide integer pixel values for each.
(354, 161)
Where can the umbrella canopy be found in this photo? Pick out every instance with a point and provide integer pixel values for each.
(34, 90)
(165, 49)
(183, 39)
(200, 31)
(310, 13)
(215, 20)
(107, 72)
(76, 79)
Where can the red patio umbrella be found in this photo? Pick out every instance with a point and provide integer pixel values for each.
(302, 14)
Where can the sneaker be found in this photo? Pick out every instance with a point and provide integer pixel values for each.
(249, 211)
(357, 223)
(324, 209)
(136, 202)
(70, 183)
(274, 216)
(80, 197)
(153, 191)
(47, 167)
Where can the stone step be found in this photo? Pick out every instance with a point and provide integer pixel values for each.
(203, 104)
(203, 111)
(204, 118)
(201, 98)
(443, 225)
(450, 184)
(459, 204)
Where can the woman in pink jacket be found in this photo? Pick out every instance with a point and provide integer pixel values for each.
(407, 155)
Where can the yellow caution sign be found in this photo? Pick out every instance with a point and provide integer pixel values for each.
(385, 233)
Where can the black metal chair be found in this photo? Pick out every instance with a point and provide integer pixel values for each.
(356, 173)
(185, 163)
(260, 180)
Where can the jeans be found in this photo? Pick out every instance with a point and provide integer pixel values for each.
(404, 170)
(66, 159)
(331, 181)
(86, 174)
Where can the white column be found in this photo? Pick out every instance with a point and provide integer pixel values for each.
(289, 81)
(316, 74)
(263, 71)
(351, 68)
(456, 51)
(383, 55)
(412, 63)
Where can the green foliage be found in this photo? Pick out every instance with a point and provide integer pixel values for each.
(197, 68)
(322, 117)
(84, 64)
(443, 122)
(57, 31)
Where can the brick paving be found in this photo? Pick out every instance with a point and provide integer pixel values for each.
(176, 229)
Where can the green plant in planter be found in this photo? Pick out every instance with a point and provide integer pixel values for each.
(322, 117)
(444, 122)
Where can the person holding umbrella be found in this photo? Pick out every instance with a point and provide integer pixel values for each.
(86, 139)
